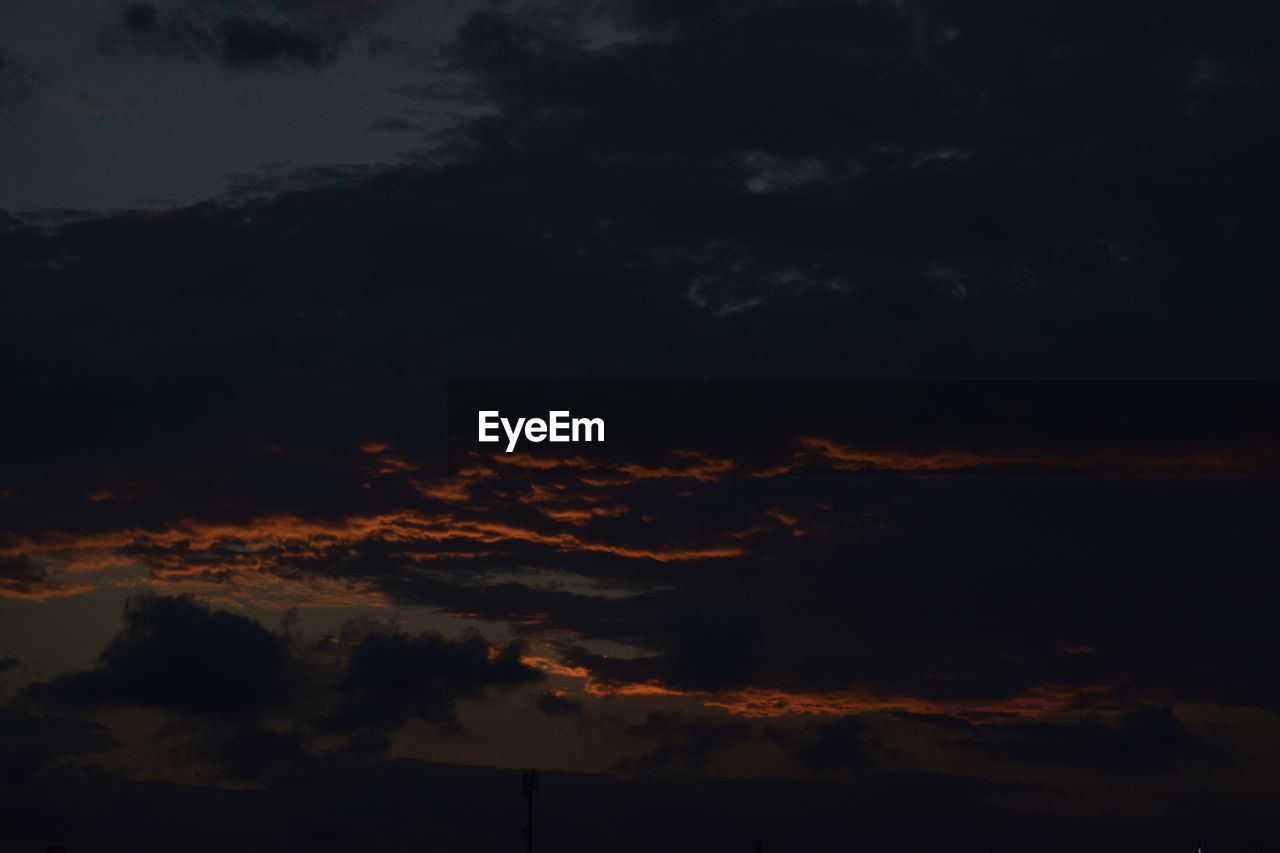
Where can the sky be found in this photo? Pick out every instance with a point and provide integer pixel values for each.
(937, 342)
(103, 125)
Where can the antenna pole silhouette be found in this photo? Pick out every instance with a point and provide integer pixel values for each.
(529, 781)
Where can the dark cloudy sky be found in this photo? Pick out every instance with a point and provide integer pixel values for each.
(248, 597)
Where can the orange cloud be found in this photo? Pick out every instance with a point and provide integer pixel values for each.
(275, 543)
(274, 592)
(697, 466)
(849, 458)
(689, 464)
(449, 491)
(38, 591)
(764, 702)
(581, 515)
(845, 457)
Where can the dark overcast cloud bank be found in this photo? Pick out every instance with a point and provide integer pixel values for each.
(800, 189)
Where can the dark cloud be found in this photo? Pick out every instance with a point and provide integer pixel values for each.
(256, 707)
(255, 753)
(911, 190)
(30, 745)
(23, 577)
(246, 35)
(555, 705)
(884, 152)
(1148, 740)
(176, 653)
(684, 745)
(712, 649)
(845, 744)
(394, 677)
(392, 124)
(26, 576)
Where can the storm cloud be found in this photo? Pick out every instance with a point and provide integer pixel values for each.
(178, 654)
